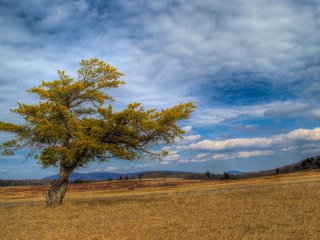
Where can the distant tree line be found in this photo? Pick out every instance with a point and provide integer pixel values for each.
(309, 163)
(32, 182)
(213, 176)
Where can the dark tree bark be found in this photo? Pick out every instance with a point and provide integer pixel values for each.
(55, 194)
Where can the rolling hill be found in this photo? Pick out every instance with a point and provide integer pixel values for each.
(94, 176)
(309, 163)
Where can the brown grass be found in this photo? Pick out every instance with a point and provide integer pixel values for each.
(280, 207)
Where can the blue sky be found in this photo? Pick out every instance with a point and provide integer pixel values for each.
(252, 68)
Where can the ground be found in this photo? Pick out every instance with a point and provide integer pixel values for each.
(277, 207)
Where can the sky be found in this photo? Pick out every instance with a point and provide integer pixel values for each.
(251, 67)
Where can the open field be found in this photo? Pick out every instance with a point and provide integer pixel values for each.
(125, 188)
(278, 207)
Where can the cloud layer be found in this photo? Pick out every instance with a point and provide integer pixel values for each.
(252, 67)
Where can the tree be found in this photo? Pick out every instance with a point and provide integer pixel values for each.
(317, 162)
(226, 176)
(208, 175)
(74, 124)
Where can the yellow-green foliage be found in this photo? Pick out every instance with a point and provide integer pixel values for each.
(74, 122)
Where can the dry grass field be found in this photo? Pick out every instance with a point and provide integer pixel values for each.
(277, 207)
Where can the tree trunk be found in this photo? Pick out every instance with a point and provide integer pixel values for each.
(55, 194)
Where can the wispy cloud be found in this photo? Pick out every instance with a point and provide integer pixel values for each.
(241, 154)
(276, 109)
(111, 169)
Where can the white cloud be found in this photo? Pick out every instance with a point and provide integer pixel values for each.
(289, 149)
(202, 155)
(248, 154)
(219, 156)
(172, 155)
(192, 160)
(304, 134)
(230, 143)
(188, 139)
(242, 154)
(187, 128)
(282, 139)
(143, 165)
(111, 169)
(165, 162)
(225, 156)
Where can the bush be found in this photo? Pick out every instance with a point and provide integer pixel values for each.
(226, 176)
(79, 181)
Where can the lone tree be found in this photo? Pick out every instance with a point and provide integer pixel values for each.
(72, 124)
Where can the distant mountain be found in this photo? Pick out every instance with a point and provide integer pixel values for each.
(94, 176)
(235, 172)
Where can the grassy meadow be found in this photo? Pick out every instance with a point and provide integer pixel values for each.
(276, 207)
